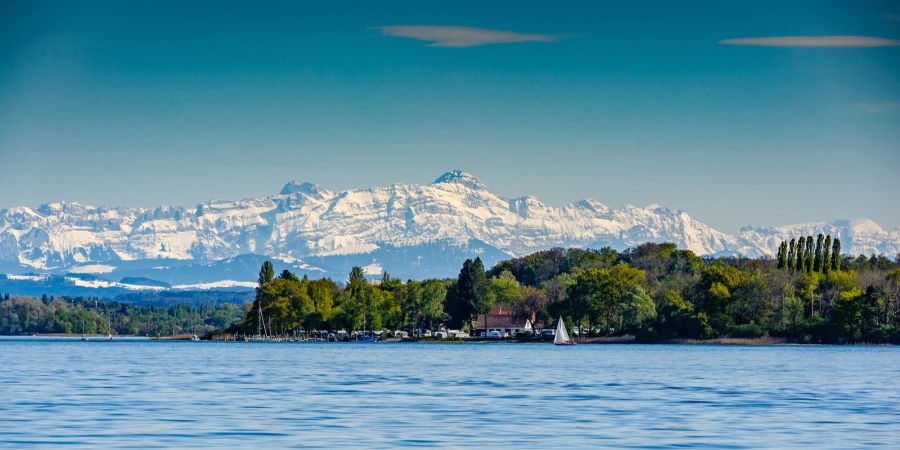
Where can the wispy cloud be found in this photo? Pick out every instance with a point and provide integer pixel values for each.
(456, 36)
(814, 41)
(879, 107)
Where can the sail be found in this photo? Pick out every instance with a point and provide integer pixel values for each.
(562, 337)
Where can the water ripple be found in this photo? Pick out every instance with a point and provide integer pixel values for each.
(143, 394)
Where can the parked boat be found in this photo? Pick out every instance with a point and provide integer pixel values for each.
(562, 336)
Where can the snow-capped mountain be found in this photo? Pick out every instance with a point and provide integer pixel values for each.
(410, 230)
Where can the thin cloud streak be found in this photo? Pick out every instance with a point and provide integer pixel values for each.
(814, 41)
(458, 36)
(889, 107)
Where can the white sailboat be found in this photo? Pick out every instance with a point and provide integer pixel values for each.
(562, 336)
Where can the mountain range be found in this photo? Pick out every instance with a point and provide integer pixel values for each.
(409, 230)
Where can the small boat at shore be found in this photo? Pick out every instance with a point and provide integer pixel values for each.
(562, 336)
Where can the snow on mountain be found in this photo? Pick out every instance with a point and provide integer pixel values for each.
(864, 236)
(404, 228)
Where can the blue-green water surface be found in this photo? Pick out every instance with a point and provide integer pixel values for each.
(57, 393)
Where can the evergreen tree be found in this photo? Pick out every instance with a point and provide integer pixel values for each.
(808, 258)
(817, 262)
(826, 255)
(801, 247)
(358, 299)
(463, 304)
(266, 274)
(484, 295)
(288, 275)
(836, 255)
(791, 257)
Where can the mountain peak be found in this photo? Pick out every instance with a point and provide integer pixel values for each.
(304, 187)
(460, 177)
(860, 225)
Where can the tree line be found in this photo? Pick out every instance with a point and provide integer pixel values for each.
(90, 316)
(809, 293)
(655, 292)
(798, 254)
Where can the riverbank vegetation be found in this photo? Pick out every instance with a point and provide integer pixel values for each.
(49, 315)
(655, 292)
(809, 293)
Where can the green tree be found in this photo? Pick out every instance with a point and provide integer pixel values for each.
(781, 255)
(322, 294)
(713, 292)
(791, 257)
(485, 297)
(600, 295)
(801, 249)
(826, 255)
(847, 317)
(638, 308)
(506, 289)
(836, 255)
(432, 302)
(266, 274)
(471, 294)
(808, 257)
(288, 275)
(750, 302)
(673, 318)
(817, 262)
(358, 301)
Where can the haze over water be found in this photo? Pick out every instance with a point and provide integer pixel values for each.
(146, 394)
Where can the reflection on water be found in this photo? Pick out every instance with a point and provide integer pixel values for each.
(146, 394)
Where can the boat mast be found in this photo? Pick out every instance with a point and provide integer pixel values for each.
(259, 320)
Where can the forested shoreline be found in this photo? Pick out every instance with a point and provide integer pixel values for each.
(93, 316)
(808, 293)
(655, 292)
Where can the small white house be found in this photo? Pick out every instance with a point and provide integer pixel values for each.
(504, 322)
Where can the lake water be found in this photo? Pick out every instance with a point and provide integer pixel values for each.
(148, 394)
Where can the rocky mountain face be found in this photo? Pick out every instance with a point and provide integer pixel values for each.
(410, 230)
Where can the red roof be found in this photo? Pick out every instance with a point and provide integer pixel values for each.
(501, 318)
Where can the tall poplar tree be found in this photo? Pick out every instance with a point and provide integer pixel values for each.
(791, 257)
(808, 258)
(801, 248)
(826, 255)
(781, 256)
(836, 255)
(817, 262)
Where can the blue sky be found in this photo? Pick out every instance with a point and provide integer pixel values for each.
(144, 103)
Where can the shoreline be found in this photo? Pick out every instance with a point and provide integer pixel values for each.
(764, 341)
